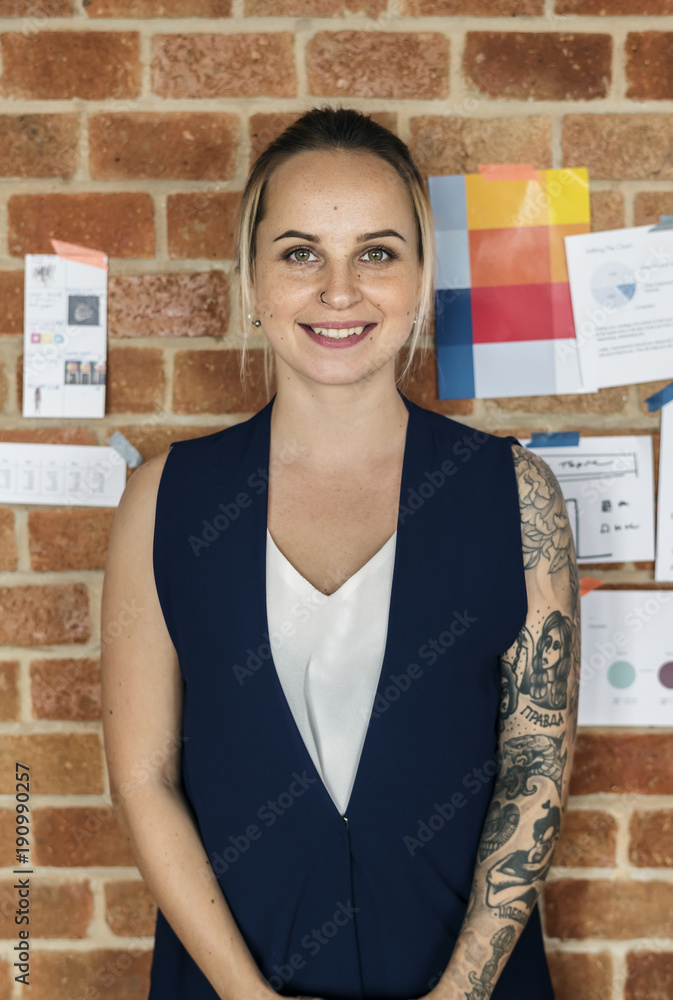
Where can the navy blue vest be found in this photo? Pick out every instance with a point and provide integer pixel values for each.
(369, 906)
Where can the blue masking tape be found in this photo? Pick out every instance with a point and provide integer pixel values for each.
(556, 439)
(665, 222)
(131, 455)
(658, 400)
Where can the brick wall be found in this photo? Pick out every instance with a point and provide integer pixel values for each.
(129, 125)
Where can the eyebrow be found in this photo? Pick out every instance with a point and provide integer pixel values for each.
(362, 238)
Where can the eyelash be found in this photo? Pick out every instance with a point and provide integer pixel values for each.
(392, 255)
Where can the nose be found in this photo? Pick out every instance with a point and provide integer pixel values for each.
(339, 286)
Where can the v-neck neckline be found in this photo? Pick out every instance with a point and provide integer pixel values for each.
(261, 582)
(299, 582)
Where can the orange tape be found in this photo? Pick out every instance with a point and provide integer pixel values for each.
(80, 255)
(508, 172)
(589, 583)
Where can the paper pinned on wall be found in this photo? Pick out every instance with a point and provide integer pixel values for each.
(627, 658)
(664, 564)
(621, 286)
(65, 333)
(64, 474)
(608, 487)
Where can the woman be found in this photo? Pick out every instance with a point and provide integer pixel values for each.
(332, 593)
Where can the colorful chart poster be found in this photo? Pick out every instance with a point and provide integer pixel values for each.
(65, 333)
(504, 318)
(627, 658)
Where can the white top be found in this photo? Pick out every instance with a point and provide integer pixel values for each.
(328, 652)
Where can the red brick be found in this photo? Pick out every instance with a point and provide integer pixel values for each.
(9, 690)
(649, 72)
(544, 66)
(135, 380)
(448, 145)
(60, 763)
(152, 441)
(421, 386)
(8, 552)
(648, 206)
(607, 210)
(202, 224)
(38, 145)
(588, 838)
(58, 65)
(158, 8)
(313, 8)
(122, 225)
(209, 382)
(11, 302)
(7, 845)
(240, 65)
(627, 147)
(70, 975)
(130, 910)
(49, 435)
(577, 976)
(169, 305)
(635, 763)
(30, 8)
(378, 64)
(68, 837)
(588, 908)
(472, 8)
(651, 844)
(66, 689)
(58, 910)
(185, 145)
(604, 401)
(69, 539)
(37, 616)
(649, 975)
(614, 7)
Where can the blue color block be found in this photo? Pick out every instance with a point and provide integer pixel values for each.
(449, 202)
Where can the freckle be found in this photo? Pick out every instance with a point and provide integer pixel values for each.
(335, 208)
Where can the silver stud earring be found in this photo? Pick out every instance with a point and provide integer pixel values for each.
(255, 322)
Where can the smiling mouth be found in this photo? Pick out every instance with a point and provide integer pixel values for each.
(335, 334)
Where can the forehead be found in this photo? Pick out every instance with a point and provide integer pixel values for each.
(338, 189)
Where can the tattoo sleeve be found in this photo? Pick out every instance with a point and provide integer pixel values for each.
(537, 726)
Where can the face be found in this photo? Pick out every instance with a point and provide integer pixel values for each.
(341, 225)
(551, 653)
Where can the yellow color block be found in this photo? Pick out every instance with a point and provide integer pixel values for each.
(567, 193)
(504, 204)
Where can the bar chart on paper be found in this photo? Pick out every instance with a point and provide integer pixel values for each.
(627, 658)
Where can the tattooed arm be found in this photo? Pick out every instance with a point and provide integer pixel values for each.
(538, 713)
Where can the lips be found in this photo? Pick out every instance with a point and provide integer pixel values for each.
(338, 335)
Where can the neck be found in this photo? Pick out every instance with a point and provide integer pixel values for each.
(338, 426)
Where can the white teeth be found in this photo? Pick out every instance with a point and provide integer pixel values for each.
(337, 334)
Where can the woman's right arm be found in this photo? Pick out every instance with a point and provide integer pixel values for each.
(142, 715)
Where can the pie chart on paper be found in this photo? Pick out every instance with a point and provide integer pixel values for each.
(613, 285)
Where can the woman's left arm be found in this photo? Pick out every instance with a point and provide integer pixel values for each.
(538, 719)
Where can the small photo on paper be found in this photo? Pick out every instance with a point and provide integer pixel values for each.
(83, 310)
(43, 273)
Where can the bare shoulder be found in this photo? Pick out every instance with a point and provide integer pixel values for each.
(547, 537)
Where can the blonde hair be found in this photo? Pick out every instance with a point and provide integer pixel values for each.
(333, 129)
